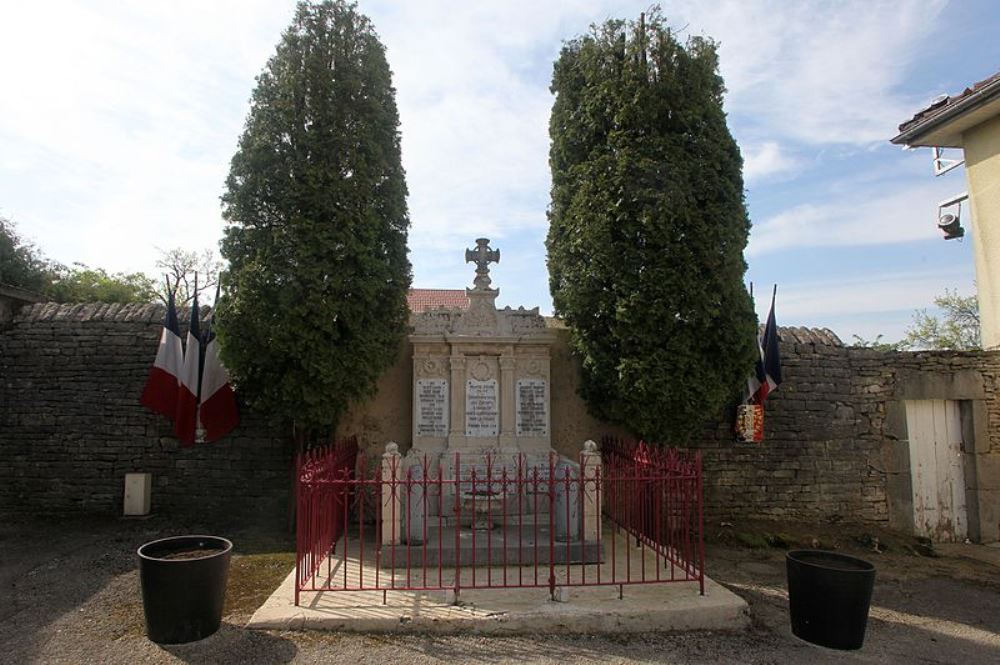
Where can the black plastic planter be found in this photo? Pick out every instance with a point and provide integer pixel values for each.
(183, 582)
(828, 597)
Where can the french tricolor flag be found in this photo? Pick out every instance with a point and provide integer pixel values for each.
(767, 374)
(219, 412)
(186, 421)
(160, 393)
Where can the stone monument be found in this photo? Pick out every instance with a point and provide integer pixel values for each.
(482, 425)
(481, 385)
(481, 375)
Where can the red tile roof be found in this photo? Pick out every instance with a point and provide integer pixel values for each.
(421, 300)
(946, 102)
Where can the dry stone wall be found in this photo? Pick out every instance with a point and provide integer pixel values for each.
(814, 461)
(71, 426)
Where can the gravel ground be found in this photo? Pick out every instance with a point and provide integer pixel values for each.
(69, 594)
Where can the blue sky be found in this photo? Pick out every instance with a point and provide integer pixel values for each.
(117, 123)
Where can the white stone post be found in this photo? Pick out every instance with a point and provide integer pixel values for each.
(392, 496)
(590, 469)
(457, 405)
(508, 434)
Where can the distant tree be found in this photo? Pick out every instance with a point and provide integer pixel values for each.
(876, 344)
(957, 328)
(647, 228)
(314, 302)
(82, 284)
(181, 266)
(21, 263)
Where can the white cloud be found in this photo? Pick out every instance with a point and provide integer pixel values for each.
(817, 72)
(869, 293)
(765, 160)
(868, 215)
(866, 305)
(117, 121)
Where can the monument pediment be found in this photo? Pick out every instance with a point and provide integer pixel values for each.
(481, 318)
(492, 322)
(481, 374)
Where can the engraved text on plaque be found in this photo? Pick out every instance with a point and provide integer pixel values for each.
(432, 407)
(482, 417)
(532, 408)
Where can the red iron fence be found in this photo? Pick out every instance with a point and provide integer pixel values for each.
(655, 494)
(482, 521)
(323, 493)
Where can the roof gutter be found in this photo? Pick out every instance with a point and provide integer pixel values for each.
(964, 105)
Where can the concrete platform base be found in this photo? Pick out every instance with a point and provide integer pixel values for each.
(513, 545)
(673, 606)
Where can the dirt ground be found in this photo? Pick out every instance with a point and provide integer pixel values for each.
(69, 594)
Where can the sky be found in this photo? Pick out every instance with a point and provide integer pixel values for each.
(118, 121)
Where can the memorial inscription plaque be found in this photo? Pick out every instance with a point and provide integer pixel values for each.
(532, 408)
(482, 417)
(432, 407)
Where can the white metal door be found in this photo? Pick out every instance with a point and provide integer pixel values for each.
(935, 434)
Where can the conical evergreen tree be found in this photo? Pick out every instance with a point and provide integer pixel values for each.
(314, 304)
(647, 228)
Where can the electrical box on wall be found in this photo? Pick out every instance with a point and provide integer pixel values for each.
(137, 494)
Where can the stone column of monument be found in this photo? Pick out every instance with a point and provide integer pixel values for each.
(456, 429)
(508, 435)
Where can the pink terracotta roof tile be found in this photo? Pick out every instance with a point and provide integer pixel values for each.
(421, 300)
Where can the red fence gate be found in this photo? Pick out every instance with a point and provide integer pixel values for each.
(498, 521)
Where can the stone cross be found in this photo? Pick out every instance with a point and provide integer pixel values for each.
(482, 256)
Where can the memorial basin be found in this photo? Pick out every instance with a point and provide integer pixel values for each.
(484, 505)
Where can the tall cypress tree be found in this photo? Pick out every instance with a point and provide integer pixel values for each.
(648, 225)
(314, 304)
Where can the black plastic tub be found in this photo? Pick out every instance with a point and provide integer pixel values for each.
(183, 581)
(828, 597)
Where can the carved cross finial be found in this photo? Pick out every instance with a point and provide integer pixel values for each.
(482, 256)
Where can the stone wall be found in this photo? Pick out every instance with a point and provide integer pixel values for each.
(835, 435)
(71, 425)
(836, 444)
(883, 383)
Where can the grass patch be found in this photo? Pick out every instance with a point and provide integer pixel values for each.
(252, 578)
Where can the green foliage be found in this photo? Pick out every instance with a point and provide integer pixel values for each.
(82, 284)
(877, 344)
(956, 329)
(314, 303)
(647, 228)
(21, 264)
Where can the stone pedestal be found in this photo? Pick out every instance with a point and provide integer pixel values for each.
(392, 496)
(592, 471)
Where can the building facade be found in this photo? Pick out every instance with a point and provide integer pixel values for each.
(970, 121)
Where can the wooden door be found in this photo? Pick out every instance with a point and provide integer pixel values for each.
(935, 434)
